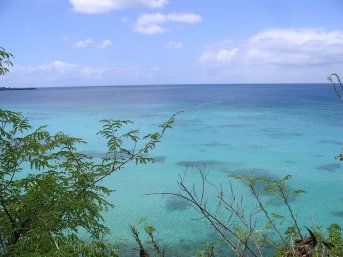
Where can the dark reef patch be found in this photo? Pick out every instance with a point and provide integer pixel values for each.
(210, 165)
(215, 144)
(296, 134)
(160, 158)
(338, 214)
(194, 130)
(257, 147)
(329, 167)
(174, 203)
(189, 122)
(334, 142)
(289, 161)
(318, 155)
(283, 134)
(269, 129)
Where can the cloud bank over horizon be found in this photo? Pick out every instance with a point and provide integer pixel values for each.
(270, 50)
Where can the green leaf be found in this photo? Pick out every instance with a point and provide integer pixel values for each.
(299, 191)
(287, 177)
(149, 229)
(277, 216)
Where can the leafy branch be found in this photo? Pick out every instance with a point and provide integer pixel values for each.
(337, 85)
(5, 61)
(58, 190)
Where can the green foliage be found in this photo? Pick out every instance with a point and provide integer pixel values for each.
(291, 242)
(153, 247)
(243, 233)
(279, 189)
(336, 239)
(208, 251)
(5, 61)
(49, 190)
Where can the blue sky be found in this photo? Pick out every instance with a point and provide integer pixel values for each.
(118, 42)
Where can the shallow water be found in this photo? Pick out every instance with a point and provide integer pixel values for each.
(269, 130)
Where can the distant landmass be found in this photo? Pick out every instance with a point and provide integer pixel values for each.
(17, 88)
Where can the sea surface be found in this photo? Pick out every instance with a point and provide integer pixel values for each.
(269, 130)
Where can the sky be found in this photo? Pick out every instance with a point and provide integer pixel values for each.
(140, 42)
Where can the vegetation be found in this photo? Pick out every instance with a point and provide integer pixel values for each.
(49, 190)
(244, 234)
(5, 61)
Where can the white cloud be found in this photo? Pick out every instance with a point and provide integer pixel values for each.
(219, 54)
(174, 44)
(152, 23)
(100, 6)
(91, 73)
(58, 70)
(89, 42)
(276, 48)
(279, 47)
(83, 43)
(105, 43)
(184, 17)
(275, 55)
(58, 66)
(61, 73)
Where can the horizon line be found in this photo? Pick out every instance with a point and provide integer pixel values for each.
(176, 84)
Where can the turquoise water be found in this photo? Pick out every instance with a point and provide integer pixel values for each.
(269, 130)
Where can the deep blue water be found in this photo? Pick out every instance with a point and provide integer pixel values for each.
(268, 130)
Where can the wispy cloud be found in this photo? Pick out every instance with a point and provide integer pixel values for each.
(58, 66)
(100, 6)
(150, 24)
(106, 43)
(89, 42)
(55, 71)
(83, 43)
(218, 54)
(59, 72)
(174, 44)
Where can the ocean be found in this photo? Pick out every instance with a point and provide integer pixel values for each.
(269, 130)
